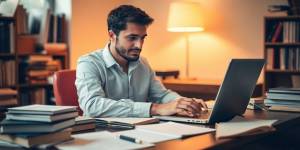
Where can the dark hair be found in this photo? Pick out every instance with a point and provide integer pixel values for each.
(119, 17)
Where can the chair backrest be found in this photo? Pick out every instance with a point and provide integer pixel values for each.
(64, 88)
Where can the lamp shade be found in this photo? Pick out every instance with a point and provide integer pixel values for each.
(185, 17)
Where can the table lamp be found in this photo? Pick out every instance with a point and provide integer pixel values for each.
(185, 17)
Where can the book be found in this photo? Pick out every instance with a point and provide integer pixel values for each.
(285, 90)
(277, 33)
(83, 127)
(83, 123)
(281, 96)
(271, 102)
(285, 108)
(8, 102)
(100, 140)
(132, 121)
(42, 109)
(12, 126)
(84, 120)
(30, 140)
(41, 118)
(7, 92)
(239, 127)
(155, 133)
(270, 58)
(54, 48)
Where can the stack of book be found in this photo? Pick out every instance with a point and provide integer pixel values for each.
(283, 99)
(34, 125)
(83, 123)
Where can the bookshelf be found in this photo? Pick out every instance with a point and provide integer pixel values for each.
(25, 68)
(282, 51)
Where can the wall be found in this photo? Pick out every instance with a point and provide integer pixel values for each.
(234, 29)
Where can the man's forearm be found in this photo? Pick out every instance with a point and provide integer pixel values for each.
(105, 107)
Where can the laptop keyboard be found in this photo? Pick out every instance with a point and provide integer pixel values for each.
(204, 114)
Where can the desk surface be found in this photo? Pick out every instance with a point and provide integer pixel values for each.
(284, 139)
(286, 136)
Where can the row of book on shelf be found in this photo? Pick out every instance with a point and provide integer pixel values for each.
(283, 58)
(49, 29)
(7, 73)
(283, 31)
(38, 69)
(34, 69)
(34, 96)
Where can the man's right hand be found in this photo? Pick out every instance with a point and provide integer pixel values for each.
(181, 106)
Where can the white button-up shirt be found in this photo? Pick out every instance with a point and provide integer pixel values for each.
(105, 90)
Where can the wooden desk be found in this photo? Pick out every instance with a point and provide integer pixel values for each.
(286, 136)
(205, 89)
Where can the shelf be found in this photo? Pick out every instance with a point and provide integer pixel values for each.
(283, 18)
(27, 85)
(10, 87)
(39, 54)
(2, 18)
(283, 71)
(6, 55)
(269, 44)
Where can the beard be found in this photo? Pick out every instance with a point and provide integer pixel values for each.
(125, 53)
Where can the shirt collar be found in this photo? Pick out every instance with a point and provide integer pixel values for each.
(108, 58)
(110, 61)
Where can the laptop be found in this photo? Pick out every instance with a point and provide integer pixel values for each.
(233, 95)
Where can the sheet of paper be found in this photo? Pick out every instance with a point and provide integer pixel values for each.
(155, 133)
(100, 140)
(176, 129)
(146, 136)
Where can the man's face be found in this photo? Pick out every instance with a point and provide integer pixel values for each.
(130, 41)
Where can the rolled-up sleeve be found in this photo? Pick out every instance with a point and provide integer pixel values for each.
(92, 98)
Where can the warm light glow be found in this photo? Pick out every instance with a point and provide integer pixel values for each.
(185, 29)
(185, 17)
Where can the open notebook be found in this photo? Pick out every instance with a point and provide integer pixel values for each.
(238, 127)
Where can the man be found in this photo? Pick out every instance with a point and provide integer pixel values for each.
(117, 82)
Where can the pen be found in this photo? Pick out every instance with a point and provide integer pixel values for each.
(131, 139)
